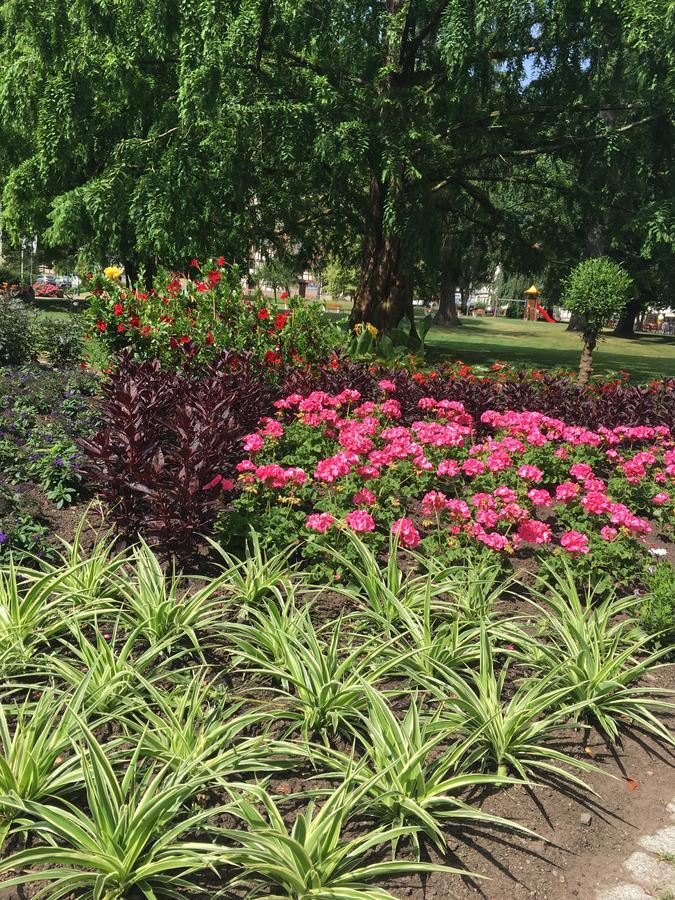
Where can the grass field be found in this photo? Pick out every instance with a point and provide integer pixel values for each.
(541, 344)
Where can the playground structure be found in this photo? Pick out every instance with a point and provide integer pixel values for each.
(533, 309)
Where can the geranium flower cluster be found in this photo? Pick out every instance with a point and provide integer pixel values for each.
(533, 483)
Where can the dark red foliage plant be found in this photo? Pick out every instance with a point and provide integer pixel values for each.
(168, 443)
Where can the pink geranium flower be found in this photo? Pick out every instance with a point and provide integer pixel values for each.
(530, 473)
(408, 535)
(574, 542)
(360, 521)
(534, 532)
(364, 497)
(320, 522)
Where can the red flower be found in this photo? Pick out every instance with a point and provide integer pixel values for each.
(145, 331)
(101, 326)
(272, 356)
(83, 365)
(134, 321)
(118, 309)
(173, 343)
(120, 328)
(184, 339)
(201, 287)
(280, 320)
(263, 314)
(194, 263)
(214, 277)
(141, 296)
(284, 295)
(210, 338)
(220, 261)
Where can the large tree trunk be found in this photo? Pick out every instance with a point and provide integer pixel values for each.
(464, 300)
(384, 292)
(577, 322)
(625, 327)
(447, 309)
(586, 362)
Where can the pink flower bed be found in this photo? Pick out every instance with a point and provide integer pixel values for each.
(333, 462)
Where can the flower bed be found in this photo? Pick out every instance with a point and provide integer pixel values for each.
(191, 320)
(510, 482)
(42, 415)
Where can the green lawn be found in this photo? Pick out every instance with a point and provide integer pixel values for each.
(485, 340)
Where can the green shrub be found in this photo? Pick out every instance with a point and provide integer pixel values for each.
(658, 610)
(61, 339)
(17, 326)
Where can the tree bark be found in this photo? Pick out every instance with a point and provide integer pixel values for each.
(577, 322)
(384, 292)
(586, 362)
(130, 273)
(464, 300)
(625, 327)
(447, 309)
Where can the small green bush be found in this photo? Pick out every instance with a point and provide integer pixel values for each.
(17, 326)
(61, 339)
(658, 610)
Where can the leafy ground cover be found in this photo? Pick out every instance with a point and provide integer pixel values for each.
(43, 413)
(301, 743)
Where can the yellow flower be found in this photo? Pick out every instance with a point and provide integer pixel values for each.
(113, 272)
(372, 329)
(358, 328)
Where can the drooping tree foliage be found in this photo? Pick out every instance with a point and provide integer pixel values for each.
(151, 130)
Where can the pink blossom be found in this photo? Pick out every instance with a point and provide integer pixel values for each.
(368, 472)
(472, 467)
(246, 465)
(459, 509)
(320, 522)
(492, 539)
(407, 533)
(335, 467)
(253, 443)
(434, 502)
(596, 503)
(533, 531)
(364, 497)
(386, 385)
(530, 473)
(391, 409)
(566, 491)
(540, 497)
(448, 468)
(360, 521)
(271, 475)
(498, 461)
(607, 533)
(574, 542)
(661, 498)
(580, 471)
(506, 494)
(272, 428)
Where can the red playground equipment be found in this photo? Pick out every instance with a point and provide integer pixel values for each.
(545, 316)
(532, 308)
